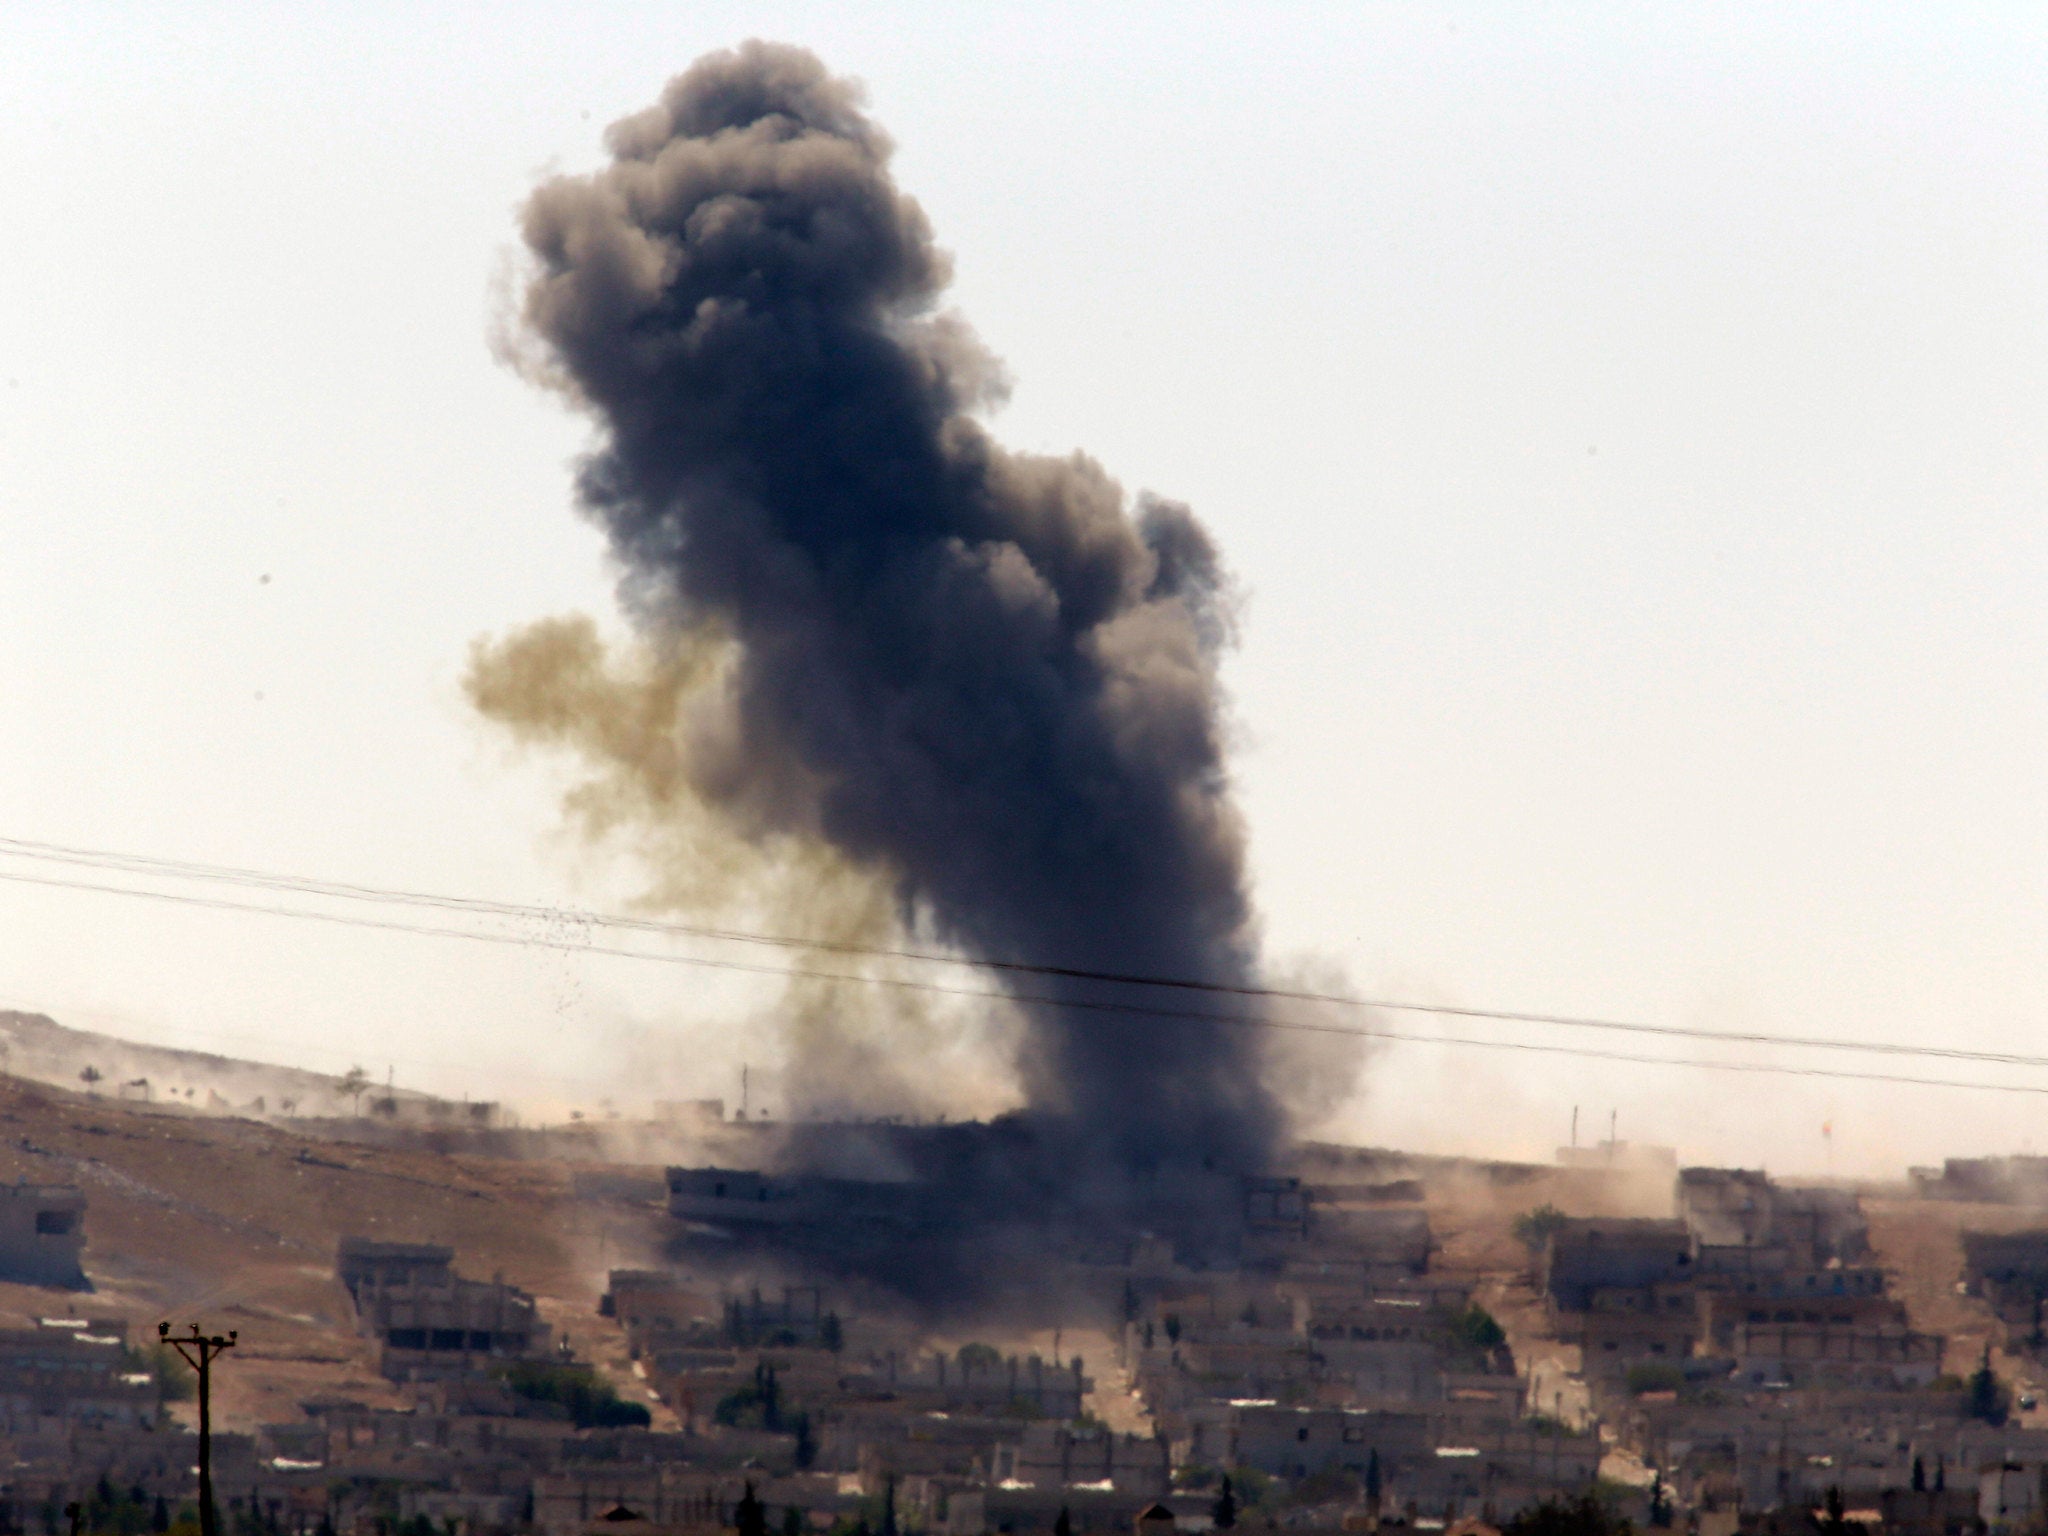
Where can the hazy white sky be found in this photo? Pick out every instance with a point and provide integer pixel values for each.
(1626, 423)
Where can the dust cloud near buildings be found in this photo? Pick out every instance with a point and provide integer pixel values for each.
(970, 694)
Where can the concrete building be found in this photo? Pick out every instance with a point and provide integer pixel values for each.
(432, 1322)
(1621, 1327)
(797, 1318)
(1277, 1206)
(1295, 1441)
(1588, 1255)
(42, 1235)
(2009, 1270)
(1741, 1208)
(2019, 1180)
(662, 1312)
(1390, 1242)
(1844, 1297)
(74, 1369)
(950, 1383)
(1060, 1456)
(1806, 1354)
(2009, 1498)
(364, 1260)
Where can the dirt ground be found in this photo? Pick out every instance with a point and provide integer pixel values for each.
(233, 1224)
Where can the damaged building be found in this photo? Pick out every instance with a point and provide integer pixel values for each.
(42, 1235)
(1741, 1219)
(431, 1322)
(1273, 1222)
(2009, 1270)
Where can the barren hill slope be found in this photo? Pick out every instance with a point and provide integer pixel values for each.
(233, 1223)
(37, 1047)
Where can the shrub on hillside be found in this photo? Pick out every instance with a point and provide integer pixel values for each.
(586, 1400)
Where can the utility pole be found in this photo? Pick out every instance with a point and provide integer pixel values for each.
(198, 1350)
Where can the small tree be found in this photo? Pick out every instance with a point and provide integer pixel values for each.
(1063, 1524)
(1224, 1511)
(355, 1083)
(1834, 1511)
(1587, 1515)
(1373, 1480)
(1919, 1475)
(1474, 1329)
(750, 1516)
(1987, 1399)
(89, 1076)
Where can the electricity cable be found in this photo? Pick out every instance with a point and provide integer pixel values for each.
(143, 864)
(1094, 1005)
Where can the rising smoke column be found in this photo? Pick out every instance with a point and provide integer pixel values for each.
(978, 672)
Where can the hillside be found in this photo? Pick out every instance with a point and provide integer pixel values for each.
(233, 1223)
(37, 1047)
(232, 1220)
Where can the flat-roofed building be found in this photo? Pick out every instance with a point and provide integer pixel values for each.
(2010, 1271)
(1060, 1455)
(1584, 1256)
(74, 1369)
(42, 1235)
(1807, 1354)
(432, 1322)
(1814, 1225)
(361, 1260)
(1295, 1441)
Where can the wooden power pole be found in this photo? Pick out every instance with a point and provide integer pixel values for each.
(199, 1350)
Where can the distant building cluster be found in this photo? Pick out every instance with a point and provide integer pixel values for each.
(1387, 1346)
(1750, 1355)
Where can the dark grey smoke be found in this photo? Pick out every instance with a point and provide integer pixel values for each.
(978, 670)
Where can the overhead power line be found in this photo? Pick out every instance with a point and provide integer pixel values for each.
(562, 921)
(1249, 1021)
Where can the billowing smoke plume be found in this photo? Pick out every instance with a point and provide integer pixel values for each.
(982, 676)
